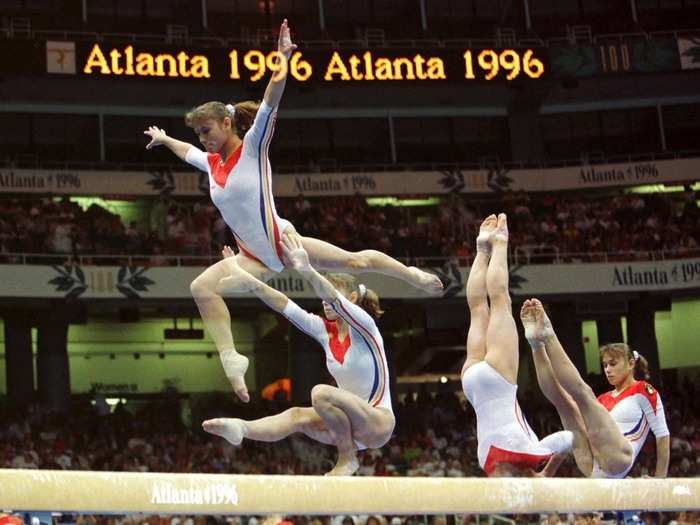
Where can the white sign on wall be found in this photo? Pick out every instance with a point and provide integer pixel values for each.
(83, 182)
(112, 282)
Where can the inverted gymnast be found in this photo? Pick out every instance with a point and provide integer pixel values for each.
(237, 138)
(355, 415)
(507, 446)
(609, 431)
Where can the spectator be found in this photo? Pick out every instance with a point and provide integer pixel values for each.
(595, 228)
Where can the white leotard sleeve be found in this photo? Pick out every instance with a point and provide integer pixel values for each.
(257, 139)
(354, 315)
(197, 158)
(656, 418)
(308, 323)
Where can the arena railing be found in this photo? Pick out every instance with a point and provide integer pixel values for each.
(547, 254)
(255, 40)
(329, 166)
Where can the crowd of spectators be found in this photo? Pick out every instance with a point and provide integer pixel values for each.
(435, 437)
(544, 228)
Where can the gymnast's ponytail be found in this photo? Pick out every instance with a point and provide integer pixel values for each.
(367, 299)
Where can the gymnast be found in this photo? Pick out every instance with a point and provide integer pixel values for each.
(355, 415)
(507, 445)
(236, 139)
(608, 431)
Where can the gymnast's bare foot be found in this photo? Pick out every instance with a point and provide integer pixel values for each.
(486, 231)
(426, 281)
(535, 322)
(235, 367)
(501, 233)
(346, 466)
(232, 430)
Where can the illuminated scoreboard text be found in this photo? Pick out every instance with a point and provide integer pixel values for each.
(339, 67)
(331, 66)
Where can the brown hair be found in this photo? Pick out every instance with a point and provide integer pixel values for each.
(622, 350)
(369, 302)
(242, 119)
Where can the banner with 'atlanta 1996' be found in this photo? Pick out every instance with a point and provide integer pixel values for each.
(491, 180)
(128, 282)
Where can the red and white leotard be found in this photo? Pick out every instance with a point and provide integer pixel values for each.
(636, 410)
(503, 434)
(241, 189)
(358, 363)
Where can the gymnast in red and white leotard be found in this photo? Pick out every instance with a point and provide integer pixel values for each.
(237, 139)
(507, 445)
(358, 413)
(608, 431)
(634, 404)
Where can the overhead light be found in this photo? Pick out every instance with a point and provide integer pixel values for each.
(427, 378)
(393, 201)
(661, 188)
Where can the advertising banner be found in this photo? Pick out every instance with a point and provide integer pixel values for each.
(493, 180)
(112, 282)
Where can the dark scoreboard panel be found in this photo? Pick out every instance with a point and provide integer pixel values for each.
(329, 67)
(637, 56)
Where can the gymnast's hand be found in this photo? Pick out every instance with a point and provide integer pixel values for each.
(238, 280)
(227, 252)
(295, 253)
(284, 44)
(158, 136)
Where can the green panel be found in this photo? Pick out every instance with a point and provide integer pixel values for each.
(185, 365)
(147, 335)
(680, 336)
(188, 368)
(185, 362)
(663, 325)
(150, 373)
(677, 335)
(590, 346)
(573, 61)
